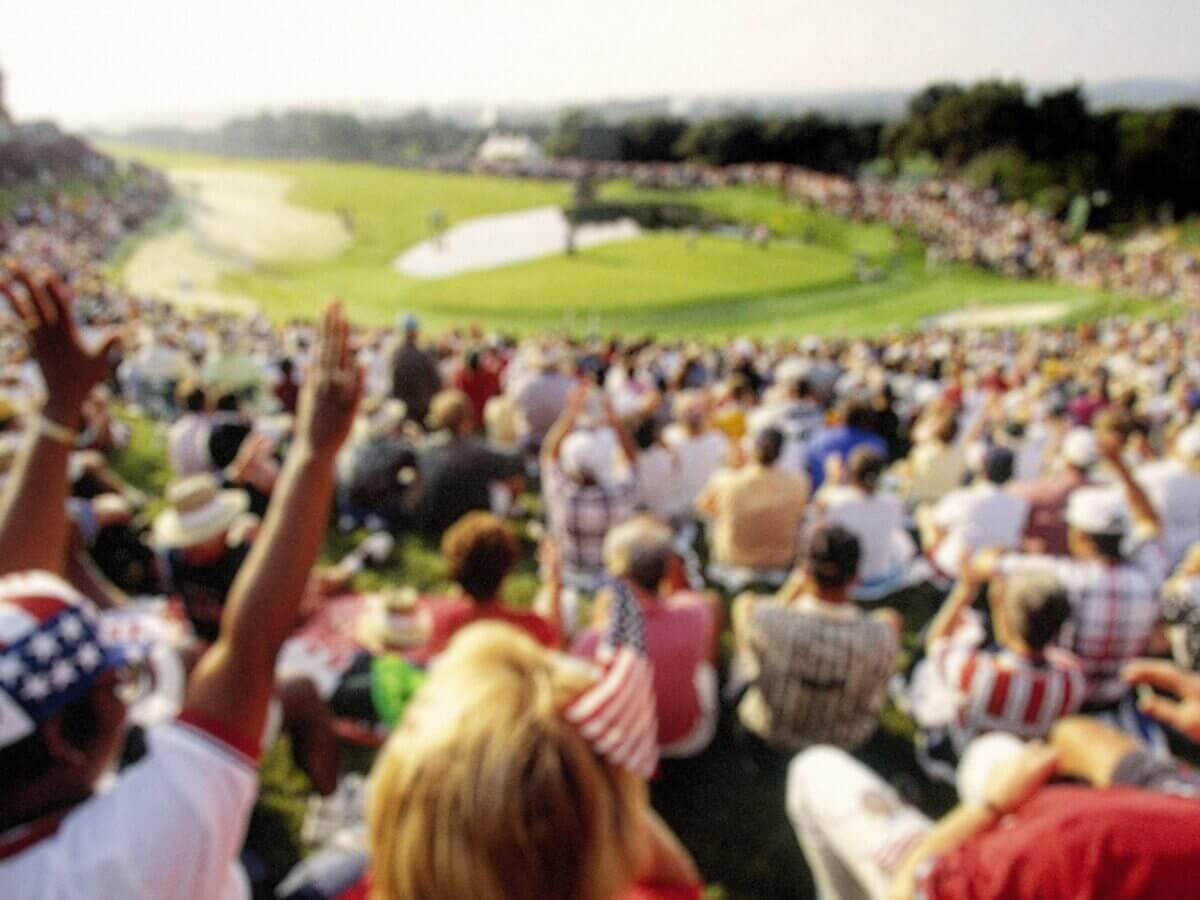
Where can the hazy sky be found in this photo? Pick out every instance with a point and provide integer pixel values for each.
(110, 63)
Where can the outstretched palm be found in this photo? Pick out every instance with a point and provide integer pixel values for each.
(43, 310)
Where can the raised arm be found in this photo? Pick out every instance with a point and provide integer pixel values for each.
(1145, 516)
(949, 616)
(33, 516)
(234, 681)
(563, 424)
(628, 447)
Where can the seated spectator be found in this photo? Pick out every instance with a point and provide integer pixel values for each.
(203, 538)
(480, 550)
(1173, 486)
(1013, 838)
(177, 817)
(489, 790)
(680, 632)
(582, 505)
(975, 517)
(540, 398)
(1046, 526)
(853, 430)
(700, 448)
(934, 466)
(187, 440)
(755, 511)
(1114, 595)
(1181, 610)
(792, 408)
(458, 470)
(658, 471)
(383, 482)
(814, 669)
(875, 517)
(1021, 688)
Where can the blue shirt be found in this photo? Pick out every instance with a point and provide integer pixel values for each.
(840, 441)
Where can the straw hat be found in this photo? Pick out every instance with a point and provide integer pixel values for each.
(198, 511)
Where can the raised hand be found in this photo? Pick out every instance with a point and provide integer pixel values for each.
(43, 309)
(1183, 714)
(332, 388)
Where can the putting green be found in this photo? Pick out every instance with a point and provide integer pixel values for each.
(659, 284)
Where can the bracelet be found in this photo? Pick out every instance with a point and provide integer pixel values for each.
(60, 434)
(996, 811)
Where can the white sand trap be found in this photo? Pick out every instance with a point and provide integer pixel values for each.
(1011, 316)
(492, 241)
(233, 221)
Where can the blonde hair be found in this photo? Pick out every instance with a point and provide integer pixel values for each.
(485, 791)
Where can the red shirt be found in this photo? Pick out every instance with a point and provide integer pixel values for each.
(480, 386)
(637, 892)
(451, 615)
(1113, 844)
(678, 635)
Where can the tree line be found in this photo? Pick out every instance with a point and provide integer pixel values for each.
(1050, 150)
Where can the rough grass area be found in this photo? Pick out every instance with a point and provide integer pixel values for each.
(804, 283)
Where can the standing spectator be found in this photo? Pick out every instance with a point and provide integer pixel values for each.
(458, 470)
(415, 377)
(287, 389)
(814, 667)
(187, 440)
(755, 512)
(479, 379)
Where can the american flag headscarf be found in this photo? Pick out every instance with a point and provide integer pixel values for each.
(617, 715)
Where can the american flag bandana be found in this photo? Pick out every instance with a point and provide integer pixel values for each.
(617, 715)
(50, 651)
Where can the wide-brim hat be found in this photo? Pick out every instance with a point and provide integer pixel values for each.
(199, 511)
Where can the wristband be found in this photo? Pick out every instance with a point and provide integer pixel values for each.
(996, 811)
(60, 434)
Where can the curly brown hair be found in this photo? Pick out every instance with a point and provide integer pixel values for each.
(479, 549)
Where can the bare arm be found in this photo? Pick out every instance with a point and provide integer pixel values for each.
(628, 447)
(33, 518)
(234, 681)
(1145, 516)
(562, 427)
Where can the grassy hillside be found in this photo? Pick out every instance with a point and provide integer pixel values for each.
(804, 283)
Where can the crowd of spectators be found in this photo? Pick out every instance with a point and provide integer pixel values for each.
(958, 222)
(1037, 483)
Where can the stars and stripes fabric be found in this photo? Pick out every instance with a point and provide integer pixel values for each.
(617, 714)
(50, 651)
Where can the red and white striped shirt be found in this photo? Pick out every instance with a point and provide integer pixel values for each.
(1004, 691)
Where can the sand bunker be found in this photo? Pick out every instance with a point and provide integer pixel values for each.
(1011, 316)
(233, 221)
(492, 241)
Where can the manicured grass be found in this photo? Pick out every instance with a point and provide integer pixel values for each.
(802, 284)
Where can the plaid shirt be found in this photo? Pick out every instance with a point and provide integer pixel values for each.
(820, 674)
(581, 516)
(1114, 609)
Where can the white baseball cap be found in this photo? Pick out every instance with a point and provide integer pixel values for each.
(583, 455)
(1098, 510)
(980, 759)
(1079, 448)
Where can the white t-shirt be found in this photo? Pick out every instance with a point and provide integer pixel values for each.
(171, 828)
(874, 520)
(975, 517)
(658, 481)
(1175, 492)
(699, 458)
